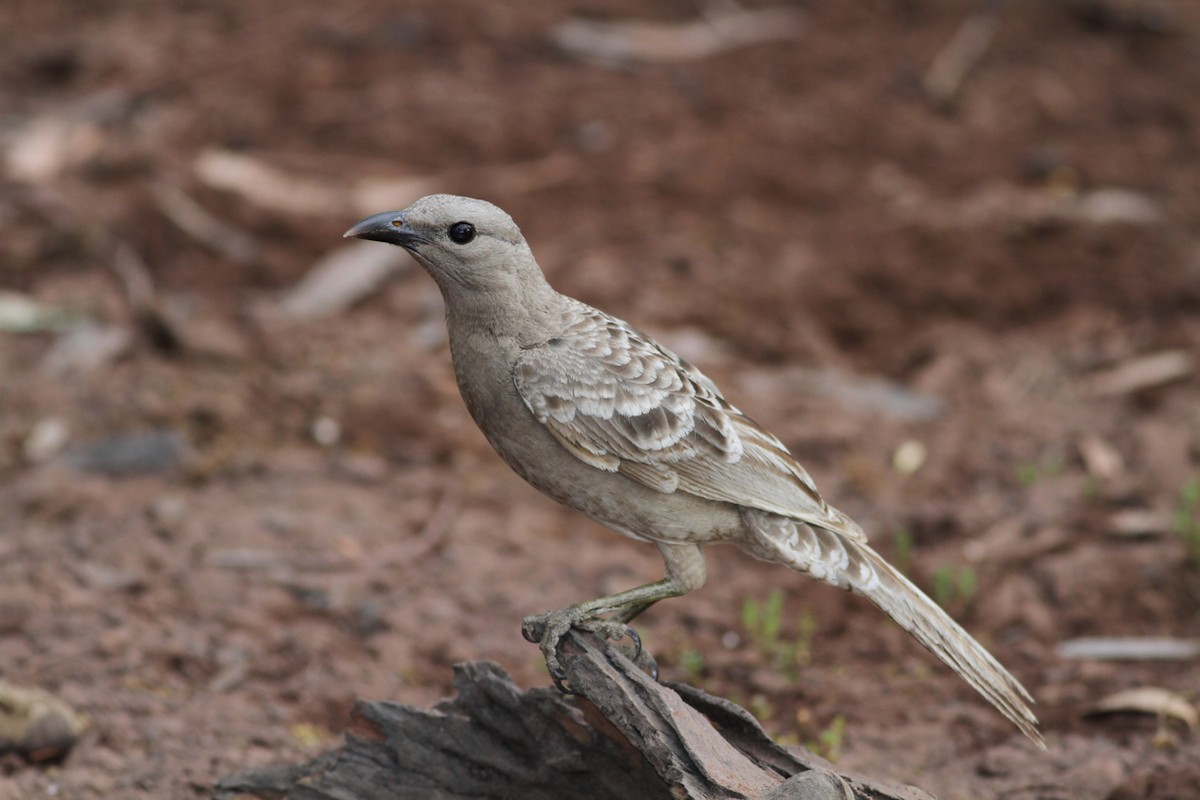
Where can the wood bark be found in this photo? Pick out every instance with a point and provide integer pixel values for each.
(622, 736)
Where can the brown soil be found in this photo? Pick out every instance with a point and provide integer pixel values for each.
(786, 205)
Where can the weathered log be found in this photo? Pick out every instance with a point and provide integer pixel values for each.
(622, 735)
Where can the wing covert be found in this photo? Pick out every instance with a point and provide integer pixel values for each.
(620, 402)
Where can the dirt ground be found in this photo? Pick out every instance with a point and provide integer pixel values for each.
(221, 522)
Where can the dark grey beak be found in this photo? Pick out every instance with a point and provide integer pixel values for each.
(390, 227)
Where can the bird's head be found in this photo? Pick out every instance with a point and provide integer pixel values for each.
(461, 241)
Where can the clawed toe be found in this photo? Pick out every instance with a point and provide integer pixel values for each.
(647, 662)
(533, 628)
(559, 676)
(640, 655)
(636, 638)
(547, 629)
(615, 631)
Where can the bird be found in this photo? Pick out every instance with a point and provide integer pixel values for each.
(607, 421)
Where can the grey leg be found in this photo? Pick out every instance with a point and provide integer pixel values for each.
(607, 616)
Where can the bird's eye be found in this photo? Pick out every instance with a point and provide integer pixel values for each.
(461, 232)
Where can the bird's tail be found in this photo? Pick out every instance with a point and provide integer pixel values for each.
(853, 565)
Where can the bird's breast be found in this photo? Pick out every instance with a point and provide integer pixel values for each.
(483, 367)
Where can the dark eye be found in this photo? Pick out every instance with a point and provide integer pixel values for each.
(461, 232)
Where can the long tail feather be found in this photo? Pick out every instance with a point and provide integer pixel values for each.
(855, 566)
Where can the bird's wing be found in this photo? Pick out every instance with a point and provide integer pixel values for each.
(622, 403)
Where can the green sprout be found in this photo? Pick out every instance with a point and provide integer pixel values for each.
(829, 742)
(763, 623)
(692, 662)
(952, 585)
(1047, 466)
(904, 544)
(1186, 519)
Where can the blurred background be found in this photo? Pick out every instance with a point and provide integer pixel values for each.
(947, 251)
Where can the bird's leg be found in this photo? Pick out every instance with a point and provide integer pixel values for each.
(627, 614)
(593, 616)
(608, 616)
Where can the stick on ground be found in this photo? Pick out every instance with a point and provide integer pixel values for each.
(623, 736)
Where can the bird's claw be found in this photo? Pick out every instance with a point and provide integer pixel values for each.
(533, 628)
(546, 630)
(639, 655)
(647, 662)
(559, 676)
(637, 643)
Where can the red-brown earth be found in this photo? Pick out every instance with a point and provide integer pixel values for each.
(318, 520)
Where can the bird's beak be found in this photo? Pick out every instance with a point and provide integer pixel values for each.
(390, 227)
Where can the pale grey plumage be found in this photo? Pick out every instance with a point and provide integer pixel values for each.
(604, 419)
(623, 403)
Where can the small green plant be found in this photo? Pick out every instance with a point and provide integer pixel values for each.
(952, 585)
(764, 625)
(761, 707)
(904, 545)
(806, 629)
(829, 741)
(762, 621)
(1028, 474)
(692, 662)
(1047, 466)
(1186, 520)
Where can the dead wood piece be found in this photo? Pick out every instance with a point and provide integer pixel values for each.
(950, 69)
(1009, 206)
(634, 41)
(1143, 373)
(1150, 700)
(267, 185)
(260, 181)
(1130, 648)
(1101, 458)
(622, 736)
(342, 278)
(219, 236)
(1139, 523)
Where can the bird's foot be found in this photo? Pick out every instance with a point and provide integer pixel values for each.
(546, 630)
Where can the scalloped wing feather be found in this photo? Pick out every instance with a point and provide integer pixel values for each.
(620, 402)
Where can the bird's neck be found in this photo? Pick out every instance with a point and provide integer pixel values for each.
(514, 307)
(488, 331)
